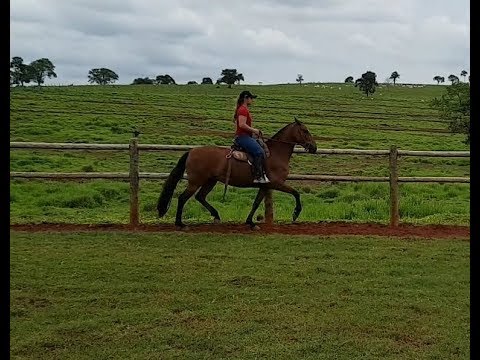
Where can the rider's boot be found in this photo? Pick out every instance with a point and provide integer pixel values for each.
(259, 165)
(264, 170)
(257, 170)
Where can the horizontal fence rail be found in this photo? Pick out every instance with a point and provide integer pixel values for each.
(156, 147)
(145, 175)
(133, 176)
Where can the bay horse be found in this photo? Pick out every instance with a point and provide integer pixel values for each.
(207, 165)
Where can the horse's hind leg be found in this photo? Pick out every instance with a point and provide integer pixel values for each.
(256, 203)
(182, 199)
(202, 195)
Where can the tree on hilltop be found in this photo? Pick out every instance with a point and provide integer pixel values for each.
(367, 82)
(143, 81)
(230, 77)
(102, 76)
(439, 79)
(395, 75)
(453, 78)
(299, 78)
(20, 73)
(40, 69)
(165, 80)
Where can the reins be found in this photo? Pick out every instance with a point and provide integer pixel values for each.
(272, 139)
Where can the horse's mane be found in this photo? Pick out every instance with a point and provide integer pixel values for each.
(279, 132)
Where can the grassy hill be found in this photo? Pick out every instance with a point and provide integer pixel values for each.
(338, 116)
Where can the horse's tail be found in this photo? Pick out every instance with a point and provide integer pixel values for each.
(170, 185)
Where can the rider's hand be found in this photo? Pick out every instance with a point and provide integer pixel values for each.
(256, 132)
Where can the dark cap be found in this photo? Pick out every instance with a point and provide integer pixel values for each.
(247, 94)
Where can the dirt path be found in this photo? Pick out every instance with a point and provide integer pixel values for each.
(327, 228)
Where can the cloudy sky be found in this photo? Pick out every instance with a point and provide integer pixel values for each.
(269, 41)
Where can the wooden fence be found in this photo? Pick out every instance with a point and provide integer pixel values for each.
(133, 176)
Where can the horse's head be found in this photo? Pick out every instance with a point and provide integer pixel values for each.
(301, 136)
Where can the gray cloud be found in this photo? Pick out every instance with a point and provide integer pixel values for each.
(268, 40)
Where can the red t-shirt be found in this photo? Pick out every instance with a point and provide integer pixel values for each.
(243, 110)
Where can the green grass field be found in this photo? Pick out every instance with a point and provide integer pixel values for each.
(338, 116)
(196, 296)
(151, 296)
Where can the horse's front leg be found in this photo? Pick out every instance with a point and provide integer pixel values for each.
(289, 190)
(260, 195)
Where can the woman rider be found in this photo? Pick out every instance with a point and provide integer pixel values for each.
(244, 132)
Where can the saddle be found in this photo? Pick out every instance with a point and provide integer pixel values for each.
(240, 154)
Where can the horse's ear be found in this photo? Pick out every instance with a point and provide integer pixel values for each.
(297, 121)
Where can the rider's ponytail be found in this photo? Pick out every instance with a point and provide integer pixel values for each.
(240, 101)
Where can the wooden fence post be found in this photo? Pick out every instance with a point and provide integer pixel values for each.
(134, 183)
(269, 208)
(394, 193)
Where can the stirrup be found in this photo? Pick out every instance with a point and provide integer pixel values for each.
(263, 180)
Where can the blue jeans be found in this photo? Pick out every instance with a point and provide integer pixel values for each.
(250, 145)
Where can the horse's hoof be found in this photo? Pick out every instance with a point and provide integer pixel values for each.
(182, 227)
(295, 215)
(255, 227)
(216, 221)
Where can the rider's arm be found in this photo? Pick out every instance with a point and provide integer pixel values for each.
(242, 124)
